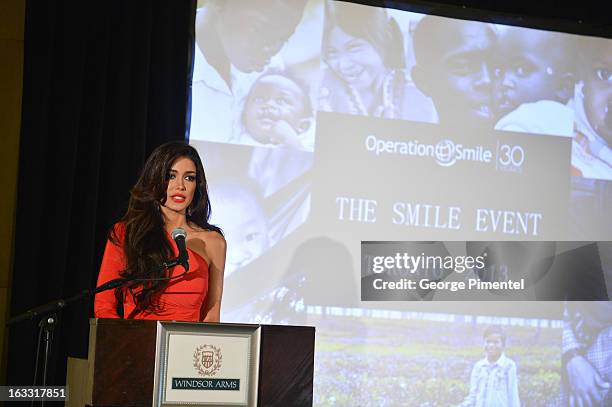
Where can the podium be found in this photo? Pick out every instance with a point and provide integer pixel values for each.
(166, 363)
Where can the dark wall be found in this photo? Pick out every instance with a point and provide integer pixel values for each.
(104, 83)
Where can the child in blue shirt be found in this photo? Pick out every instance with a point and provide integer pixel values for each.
(493, 382)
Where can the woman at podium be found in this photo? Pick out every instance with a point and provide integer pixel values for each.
(171, 259)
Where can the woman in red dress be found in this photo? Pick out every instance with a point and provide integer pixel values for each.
(170, 193)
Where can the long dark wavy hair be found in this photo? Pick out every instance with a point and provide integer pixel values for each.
(145, 242)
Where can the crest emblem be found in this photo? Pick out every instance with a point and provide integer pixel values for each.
(207, 360)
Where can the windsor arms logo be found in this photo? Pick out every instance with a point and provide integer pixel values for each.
(207, 360)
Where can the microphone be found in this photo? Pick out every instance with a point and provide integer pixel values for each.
(179, 235)
(109, 285)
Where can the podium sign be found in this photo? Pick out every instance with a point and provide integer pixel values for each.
(140, 363)
(206, 365)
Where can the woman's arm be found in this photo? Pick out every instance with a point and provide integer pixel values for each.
(212, 308)
(105, 302)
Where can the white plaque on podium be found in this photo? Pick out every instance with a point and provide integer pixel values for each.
(206, 364)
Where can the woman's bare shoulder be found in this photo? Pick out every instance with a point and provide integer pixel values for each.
(213, 237)
(209, 244)
(209, 237)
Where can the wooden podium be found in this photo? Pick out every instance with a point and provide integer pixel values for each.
(130, 364)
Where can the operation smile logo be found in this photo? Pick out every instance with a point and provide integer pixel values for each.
(447, 153)
(207, 360)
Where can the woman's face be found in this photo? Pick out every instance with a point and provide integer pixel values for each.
(353, 59)
(181, 185)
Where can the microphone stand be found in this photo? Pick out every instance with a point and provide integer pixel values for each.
(48, 316)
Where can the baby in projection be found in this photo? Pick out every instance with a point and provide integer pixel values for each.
(238, 208)
(278, 112)
(533, 81)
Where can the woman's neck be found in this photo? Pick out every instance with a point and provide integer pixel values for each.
(173, 219)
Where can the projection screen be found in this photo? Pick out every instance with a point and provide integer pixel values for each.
(325, 124)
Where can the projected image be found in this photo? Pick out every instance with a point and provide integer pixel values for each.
(587, 354)
(534, 79)
(300, 284)
(259, 197)
(592, 145)
(250, 73)
(437, 360)
(364, 71)
(591, 191)
(326, 123)
(590, 214)
(453, 67)
(277, 112)
(239, 208)
(253, 63)
(475, 74)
